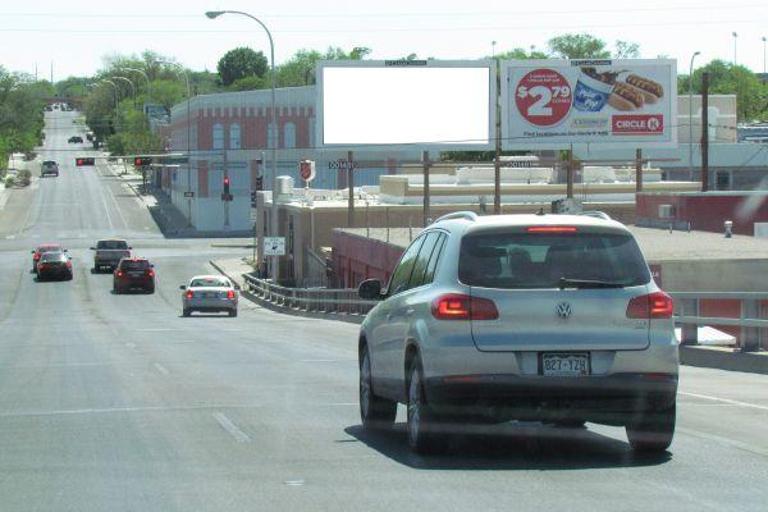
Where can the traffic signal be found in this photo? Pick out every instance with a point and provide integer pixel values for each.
(83, 161)
(226, 185)
(253, 198)
(142, 161)
(259, 185)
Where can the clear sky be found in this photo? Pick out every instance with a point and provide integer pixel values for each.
(76, 34)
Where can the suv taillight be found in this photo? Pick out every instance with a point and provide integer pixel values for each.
(190, 294)
(654, 305)
(120, 273)
(230, 294)
(457, 306)
(36, 256)
(151, 273)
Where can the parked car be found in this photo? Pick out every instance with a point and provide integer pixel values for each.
(520, 317)
(209, 294)
(49, 167)
(75, 139)
(109, 253)
(41, 249)
(54, 265)
(134, 274)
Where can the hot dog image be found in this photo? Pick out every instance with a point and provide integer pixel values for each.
(650, 90)
(626, 97)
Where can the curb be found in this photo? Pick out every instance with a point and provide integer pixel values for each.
(730, 361)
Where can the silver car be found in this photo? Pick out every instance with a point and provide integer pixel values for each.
(551, 318)
(210, 294)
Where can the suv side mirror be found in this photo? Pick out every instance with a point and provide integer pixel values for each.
(130, 248)
(183, 287)
(370, 289)
(32, 251)
(93, 248)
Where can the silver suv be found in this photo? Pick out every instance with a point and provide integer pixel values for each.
(550, 318)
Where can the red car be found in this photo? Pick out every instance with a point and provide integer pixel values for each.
(43, 248)
(132, 274)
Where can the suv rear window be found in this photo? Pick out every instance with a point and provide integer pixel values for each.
(538, 260)
(111, 244)
(134, 265)
(209, 283)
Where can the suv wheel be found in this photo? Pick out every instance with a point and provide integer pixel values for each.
(422, 421)
(652, 432)
(186, 312)
(375, 412)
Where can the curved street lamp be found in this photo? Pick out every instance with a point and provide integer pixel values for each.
(117, 90)
(146, 77)
(133, 87)
(271, 127)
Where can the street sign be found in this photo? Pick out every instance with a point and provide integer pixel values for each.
(189, 194)
(274, 246)
(307, 170)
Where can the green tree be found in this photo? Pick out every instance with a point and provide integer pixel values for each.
(240, 63)
(521, 54)
(626, 50)
(300, 68)
(578, 46)
(725, 78)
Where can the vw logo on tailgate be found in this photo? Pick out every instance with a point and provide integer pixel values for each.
(563, 310)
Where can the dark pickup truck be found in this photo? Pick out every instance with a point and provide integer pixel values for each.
(109, 253)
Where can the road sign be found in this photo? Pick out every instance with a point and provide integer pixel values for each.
(189, 194)
(274, 246)
(307, 170)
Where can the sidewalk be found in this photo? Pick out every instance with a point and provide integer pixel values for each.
(232, 268)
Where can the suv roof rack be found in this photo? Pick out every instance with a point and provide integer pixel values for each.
(596, 213)
(472, 216)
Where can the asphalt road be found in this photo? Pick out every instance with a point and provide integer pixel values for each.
(117, 403)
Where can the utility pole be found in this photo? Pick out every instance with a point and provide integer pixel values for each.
(569, 175)
(351, 191)
(638, 170)
(51, 72)
(497, 157)
(426, 162)
(705, 132)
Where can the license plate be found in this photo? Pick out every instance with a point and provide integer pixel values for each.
(138, 273)
(565, 364)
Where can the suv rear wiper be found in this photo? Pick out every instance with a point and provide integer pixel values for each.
(587, 283)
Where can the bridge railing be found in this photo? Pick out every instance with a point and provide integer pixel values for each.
(343, 301)
(753, 327)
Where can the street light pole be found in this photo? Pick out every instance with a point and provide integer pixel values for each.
(735, 38)
(183, 72)
(764, 55)
(272, 121)
(133, 87)
(146, 77)
(690, 116)
(116, 88)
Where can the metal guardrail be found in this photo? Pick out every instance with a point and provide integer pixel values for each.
(342, 301)
(753, 335)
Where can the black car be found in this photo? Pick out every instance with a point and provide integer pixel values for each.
(75, 139)
(49, 167)
(54, 265)
(134, 274)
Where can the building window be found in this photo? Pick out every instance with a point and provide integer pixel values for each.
(234, 136)
(218, 136)
(289, 135)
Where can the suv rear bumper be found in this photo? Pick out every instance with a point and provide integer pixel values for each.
(610, 399)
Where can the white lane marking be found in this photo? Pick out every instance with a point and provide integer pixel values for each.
(725, 400)
(340, 404)
(157, 329)
(295, 483)
(723, 440)
(160, 368)
(117, 207)
(130, 344)
(106, 210)
(112, 410)
(226, 424)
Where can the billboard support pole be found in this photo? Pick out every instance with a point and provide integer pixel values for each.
(638, 170)
(569, 175)
(426, 163)
(497, 158)
(351, 186)
(705, 132)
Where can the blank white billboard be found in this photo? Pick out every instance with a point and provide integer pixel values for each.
(431, 104)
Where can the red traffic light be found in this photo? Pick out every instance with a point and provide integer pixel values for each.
(226, 182)
(142, 161)
(80, 162)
